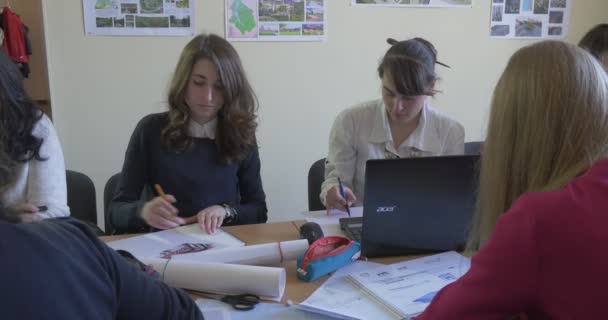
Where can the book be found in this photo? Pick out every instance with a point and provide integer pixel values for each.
(407, 288)
(340, 298)
(172, 242)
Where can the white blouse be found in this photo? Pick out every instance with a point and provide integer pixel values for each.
(41, 183)
(363, 132)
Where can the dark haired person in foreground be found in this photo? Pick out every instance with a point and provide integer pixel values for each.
(58, 269)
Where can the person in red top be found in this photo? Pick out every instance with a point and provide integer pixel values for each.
(544, 164)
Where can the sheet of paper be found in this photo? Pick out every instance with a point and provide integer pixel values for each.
(341, 298)
(266, 282)
(529, 19)
(215, 310)
(408, 287)
(173, 242)
(257, 20)
(415, 3)
(261, 254)
(330, 223)
(137, 18)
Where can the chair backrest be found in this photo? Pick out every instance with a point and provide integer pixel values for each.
(473, 147)
(108, 193)
(316, 176)
(81, 198)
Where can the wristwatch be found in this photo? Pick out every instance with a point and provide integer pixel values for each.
(230, 213)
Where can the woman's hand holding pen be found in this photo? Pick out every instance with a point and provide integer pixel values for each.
(161, 214)
(334, 200)
(209, 219)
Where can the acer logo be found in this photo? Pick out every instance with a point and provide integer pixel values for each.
(385, 209)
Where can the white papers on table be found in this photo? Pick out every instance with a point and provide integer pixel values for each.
(341, 298)
(261, 254)
(330, 223)
(172, 242)
(407, 288)
(266, 282)
(215, 310)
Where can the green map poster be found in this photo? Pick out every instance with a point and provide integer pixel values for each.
(275, 20)
(139, 17)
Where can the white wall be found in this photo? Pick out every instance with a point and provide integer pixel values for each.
(101, 86)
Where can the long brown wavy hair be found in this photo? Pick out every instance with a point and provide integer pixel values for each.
(236, 127)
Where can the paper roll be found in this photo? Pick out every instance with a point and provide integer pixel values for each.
(266, 282)
(261, 254)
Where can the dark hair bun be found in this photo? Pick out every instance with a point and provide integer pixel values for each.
(391, 41)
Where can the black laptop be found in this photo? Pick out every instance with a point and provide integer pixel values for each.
(415, 205)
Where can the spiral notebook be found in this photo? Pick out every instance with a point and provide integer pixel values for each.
(407, 288)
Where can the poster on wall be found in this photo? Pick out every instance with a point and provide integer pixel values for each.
(414, 3)
(138, 17)
(529, 19)
(275, 20)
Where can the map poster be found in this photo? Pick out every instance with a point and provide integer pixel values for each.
(275, 20)
(138, 17)
(529, 19)
(414, 3)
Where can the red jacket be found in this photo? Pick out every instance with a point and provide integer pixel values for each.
(547, 257)
(14, 40)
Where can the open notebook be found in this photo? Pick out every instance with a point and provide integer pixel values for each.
(407, 288)
(168, 243)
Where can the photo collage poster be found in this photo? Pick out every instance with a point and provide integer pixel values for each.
(275, 20)
(139, 17)
(414, 3)
(529, 19)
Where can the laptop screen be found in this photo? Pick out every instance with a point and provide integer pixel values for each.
(417, 205)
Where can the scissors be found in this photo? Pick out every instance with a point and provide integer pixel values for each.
(241, 302)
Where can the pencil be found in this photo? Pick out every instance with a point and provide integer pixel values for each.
(159, 190)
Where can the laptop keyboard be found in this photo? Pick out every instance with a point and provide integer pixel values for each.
(355, 233)
(352, 228)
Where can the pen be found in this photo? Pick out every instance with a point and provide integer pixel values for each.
(343, 194)
(159, 190)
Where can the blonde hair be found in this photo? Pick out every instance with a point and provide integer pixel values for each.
(548, 124)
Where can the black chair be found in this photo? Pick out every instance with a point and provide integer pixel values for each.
(81, 199)
(473, 147)
(316, 176)
(108, 193)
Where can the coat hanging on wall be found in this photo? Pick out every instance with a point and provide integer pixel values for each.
(16, 44)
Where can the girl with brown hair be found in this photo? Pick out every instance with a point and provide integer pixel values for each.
(202, 152)
(401, 124)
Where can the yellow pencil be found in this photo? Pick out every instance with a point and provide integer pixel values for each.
(159, 190)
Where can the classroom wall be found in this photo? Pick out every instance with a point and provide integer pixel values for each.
(102, 86)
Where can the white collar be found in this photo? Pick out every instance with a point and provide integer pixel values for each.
(425, 137)
(205, 130)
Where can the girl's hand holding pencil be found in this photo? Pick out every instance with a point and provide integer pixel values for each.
(160, 212)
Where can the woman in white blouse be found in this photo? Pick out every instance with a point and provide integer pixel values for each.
(32, 168)
(401, 124)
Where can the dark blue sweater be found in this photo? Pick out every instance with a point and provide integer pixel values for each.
(195, 177)
(58, 269)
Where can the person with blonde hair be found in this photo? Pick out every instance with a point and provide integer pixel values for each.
(541, 220)
(203, 152)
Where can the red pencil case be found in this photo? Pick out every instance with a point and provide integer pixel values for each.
(326, 255)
